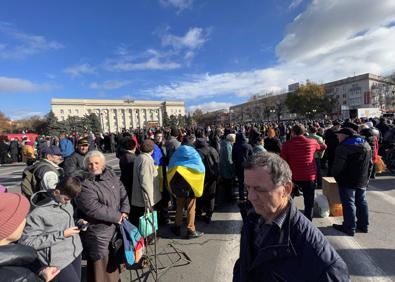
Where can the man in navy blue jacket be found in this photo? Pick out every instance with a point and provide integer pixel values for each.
(278, 243)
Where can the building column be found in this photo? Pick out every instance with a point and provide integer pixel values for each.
(160, 116)
(140, 124)
(110, 119)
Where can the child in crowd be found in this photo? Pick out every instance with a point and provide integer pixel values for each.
(51, 231)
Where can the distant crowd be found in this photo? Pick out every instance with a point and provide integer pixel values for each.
(72, 202)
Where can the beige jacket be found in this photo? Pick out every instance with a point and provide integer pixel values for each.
(145, 176)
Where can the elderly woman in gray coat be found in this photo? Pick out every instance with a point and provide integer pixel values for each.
(104, 203)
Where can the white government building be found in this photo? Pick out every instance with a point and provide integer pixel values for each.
(115, 115)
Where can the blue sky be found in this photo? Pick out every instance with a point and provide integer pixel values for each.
(212, 53)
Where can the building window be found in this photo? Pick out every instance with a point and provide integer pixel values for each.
(76, 111)
(69, 111)
(61, 112)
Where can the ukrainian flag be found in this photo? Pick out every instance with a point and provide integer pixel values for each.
(188, 163)
(157, 155)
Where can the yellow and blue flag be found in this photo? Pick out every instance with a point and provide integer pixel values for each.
(188, 163)
(157, 156)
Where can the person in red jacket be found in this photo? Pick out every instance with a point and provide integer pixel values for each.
(299, 154)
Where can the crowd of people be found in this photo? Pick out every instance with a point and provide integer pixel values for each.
(77, 201)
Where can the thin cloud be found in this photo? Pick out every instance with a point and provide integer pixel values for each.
(152, 60)
(194, 38)
(78, 70)
(210, 106)
(23, 113)
(22, 45)
(18, 85)
(179, 5)
(294, 4)
(110, 84)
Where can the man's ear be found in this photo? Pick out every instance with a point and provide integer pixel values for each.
(56, 192)
(288, 188)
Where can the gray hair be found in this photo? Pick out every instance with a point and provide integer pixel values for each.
(277, 167)
(94, 153)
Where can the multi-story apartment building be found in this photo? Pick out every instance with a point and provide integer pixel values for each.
(115, 115)
(361, 91)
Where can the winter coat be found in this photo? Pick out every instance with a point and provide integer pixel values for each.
(331, 143)
(44, 232)
(352, 162)
(226, 168)
(66, 147)
(18, 263)
(241, 152)
(258, 149)
(296, 252)
(320, 140)
(145, 178)
(126, 162)
(171, 145)
(101, 202)
(208, 153)
(74, 165)
(273, 145)
(48, 175)
(299, 154)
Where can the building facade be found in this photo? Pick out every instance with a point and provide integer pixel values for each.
(261, 108)
(115, 115)
(361, 91)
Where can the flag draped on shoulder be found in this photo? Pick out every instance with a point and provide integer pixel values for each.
(188, 163)
(157, 156)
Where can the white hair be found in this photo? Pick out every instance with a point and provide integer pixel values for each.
(94, 153)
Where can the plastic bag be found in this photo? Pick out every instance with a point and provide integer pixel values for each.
(380, 165)
(321, 206)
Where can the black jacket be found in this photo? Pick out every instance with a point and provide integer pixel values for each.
(74, 165)
(126, 162)
(296, 252)
(241, 152)
(210, 160)
(351, 166)
(18, 263)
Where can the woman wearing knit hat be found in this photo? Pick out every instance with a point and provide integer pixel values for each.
(17, 261)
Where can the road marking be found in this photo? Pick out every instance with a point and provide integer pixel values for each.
(367, 267)
(382, 195)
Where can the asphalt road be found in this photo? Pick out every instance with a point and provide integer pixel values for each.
(370, 257)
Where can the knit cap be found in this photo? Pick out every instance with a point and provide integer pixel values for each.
(13, 210)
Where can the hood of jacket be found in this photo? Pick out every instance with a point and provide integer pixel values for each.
(43, 199)
(241, 138)
(354, 140)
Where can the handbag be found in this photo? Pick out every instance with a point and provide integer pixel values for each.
(148, 223)
(116, 242)
(133, 243)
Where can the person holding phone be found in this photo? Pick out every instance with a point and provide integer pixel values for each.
(50, 229)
